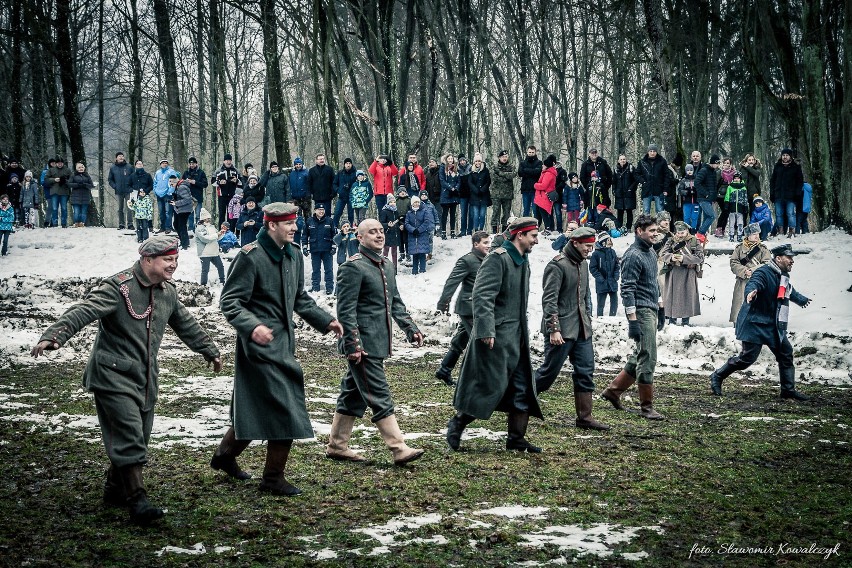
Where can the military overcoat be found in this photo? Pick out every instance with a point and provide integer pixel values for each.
(740, 262)
(132, 315)
(266, 285)
(757, 322)
(500, 296)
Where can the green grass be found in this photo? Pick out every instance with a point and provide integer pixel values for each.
(704, 480)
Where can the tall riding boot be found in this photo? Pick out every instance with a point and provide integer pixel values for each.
(788, 385)
(392, 435)
(277, 452)
(517, 426)
(445, 372)
(141, 511)
(646, 402)
(616, 388)
(455, 427)
(719, 375)
(113, 489)
(583, 404)
(338, 439)
(225, 456)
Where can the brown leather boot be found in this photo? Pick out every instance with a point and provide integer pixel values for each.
(583, 404)
(338, 439)
(225, 457)
(141, 511)
(646, 402)
(392, 435)
(277, 452)
(616, 388)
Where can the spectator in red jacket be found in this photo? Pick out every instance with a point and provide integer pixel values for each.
(546, 183)
(383, 172)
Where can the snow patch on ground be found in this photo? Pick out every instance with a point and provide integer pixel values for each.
(514, 511)
(596, 540)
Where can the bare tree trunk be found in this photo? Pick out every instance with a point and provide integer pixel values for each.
(844, 197)
(135, 144)
(16, 107)
(274, 82)
(68, 78)
(201, 87)
(174, 114)
(662, 73)
(98, 214)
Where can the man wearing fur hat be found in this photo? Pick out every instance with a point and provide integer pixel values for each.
(265, 287)
(746, 258)
(497, 373)
(367, 303)
(762, 320)
(640, 295)
(566, 324)
(133, 307)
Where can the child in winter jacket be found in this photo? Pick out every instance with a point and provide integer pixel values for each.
(206, 242)
(227, 239)
(143, 211)
(7, 222)
(346, 242)
(572, 198)
(736, 198)
(606, 268)
(762, 215)
(360, 195)
(235, 207)
(30, 200)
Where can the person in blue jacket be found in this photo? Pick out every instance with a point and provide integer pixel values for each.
(300, 193)
(762, 215)
(803, 208)
(420, 224)
(164, 193)
(318, 242)
(250, 221)
(763, 321)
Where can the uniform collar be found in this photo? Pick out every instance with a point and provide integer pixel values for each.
(372, 255)
(478, 254)
(142, 278)
(516, 256)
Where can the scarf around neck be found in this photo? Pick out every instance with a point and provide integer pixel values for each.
(783, 297)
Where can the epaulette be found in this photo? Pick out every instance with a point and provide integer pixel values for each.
(499, 250)
(356, 256)
(559, 257)
(249, 247)
(123, 277)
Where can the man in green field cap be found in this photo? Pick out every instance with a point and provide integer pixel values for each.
(497, 373)
(133, 307)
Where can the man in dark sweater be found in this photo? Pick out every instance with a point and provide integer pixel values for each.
(640, 294)
(529, 170)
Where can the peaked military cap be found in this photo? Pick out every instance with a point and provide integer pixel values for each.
(783, 250)
(279, 211)
(159, 245)
(583, 235)
(522, 224)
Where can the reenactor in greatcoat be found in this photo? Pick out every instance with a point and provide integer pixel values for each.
(566, 323)
(133, 308)
(496, 373)
(367, 303)
(762, 320)
(464, 273)
(265, 287)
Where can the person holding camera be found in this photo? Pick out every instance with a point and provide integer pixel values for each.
(226, 179)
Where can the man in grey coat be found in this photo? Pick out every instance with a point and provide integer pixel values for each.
(464, 273)
(497, 373)
(640, 294)
(133, 308)
(566, 323)
(119, 178)
(367, 303)
(265, 287)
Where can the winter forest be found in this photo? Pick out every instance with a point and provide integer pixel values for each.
(272, 79)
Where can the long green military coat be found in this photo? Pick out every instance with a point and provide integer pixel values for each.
(566, 301)
(367, 302)
(124, 355)
(464, 273)
(265, 285)
(500, 297)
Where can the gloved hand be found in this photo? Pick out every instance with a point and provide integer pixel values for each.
(661, 318)
(333, 250)
(633, 329)
(306, 251)
(415, 232)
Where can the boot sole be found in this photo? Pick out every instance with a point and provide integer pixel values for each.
(292, 491)
(416, 456)
(355, 459)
